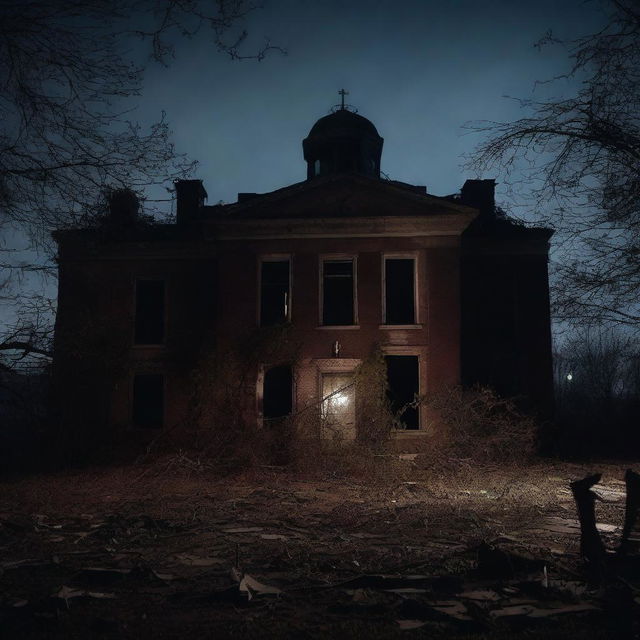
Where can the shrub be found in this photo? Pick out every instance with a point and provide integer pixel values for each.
(476, 425)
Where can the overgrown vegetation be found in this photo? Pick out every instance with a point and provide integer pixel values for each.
(476, 425)
(220, 431)
(217, 426)
(465, 427)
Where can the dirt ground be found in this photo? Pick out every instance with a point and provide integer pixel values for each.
(169, 549)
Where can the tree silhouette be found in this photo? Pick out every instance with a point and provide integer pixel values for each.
(68, 73)
(581, 157)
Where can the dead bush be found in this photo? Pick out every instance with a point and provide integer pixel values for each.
(220, 426)
(478, 427)
(329, 459)
(374, 417)
(319, 447)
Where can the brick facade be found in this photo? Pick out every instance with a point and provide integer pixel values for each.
(208, 269)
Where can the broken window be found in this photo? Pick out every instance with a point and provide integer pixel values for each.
(277, 392)
(148, 400)
(338, 405)
(149, 318)
(399, 291)
(338, 292)
(403, 380)
(274, 292)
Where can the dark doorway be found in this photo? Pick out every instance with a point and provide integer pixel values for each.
(277, 392)
(274, 293)
(337, 298)
(403, 377)
(399, 291)
(149, 323)
(148, 400)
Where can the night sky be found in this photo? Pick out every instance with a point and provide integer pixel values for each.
(418, 69)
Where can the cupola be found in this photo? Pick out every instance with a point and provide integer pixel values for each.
(341, 142)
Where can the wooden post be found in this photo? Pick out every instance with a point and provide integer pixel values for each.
(591, 546)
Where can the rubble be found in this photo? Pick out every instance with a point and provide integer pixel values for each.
(274, 553)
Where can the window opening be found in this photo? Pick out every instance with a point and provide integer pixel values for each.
(148, 400)
(337, 300)
(403, 380)
(399, 291)
(274, 293)
(277, 392)
(150, 309)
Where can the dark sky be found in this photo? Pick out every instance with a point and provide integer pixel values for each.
(418, 69)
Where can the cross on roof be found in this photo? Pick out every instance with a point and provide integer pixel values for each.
(343, 93)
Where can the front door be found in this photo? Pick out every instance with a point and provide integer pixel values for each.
(338, 406)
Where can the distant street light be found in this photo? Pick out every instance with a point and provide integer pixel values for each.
(569, 377)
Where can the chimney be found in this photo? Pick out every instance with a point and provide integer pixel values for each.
(190, 195)
(123, 206)
(480, 194)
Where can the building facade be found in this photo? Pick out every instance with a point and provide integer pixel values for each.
(284, 294)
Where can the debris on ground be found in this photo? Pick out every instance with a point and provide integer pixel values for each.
(130, 553)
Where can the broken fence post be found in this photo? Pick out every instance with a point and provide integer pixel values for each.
(591, 546)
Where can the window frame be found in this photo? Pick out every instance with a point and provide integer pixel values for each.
(274, 257)
(165, 311)
(401, 255)
(338, 257)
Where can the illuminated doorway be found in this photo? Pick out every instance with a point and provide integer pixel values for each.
(338, 406)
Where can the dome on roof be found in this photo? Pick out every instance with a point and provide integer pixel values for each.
(342, 122)
(342, 142)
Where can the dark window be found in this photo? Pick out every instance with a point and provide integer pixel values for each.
(403, 380)
(274, 293)
(148, 400)
(337, 297)
(277, 392)
(149, 327)
(399, 291)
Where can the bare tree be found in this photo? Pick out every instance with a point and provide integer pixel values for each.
(69, 70)
(66, 75)
(597, 392)
(598, 363)
(581, 157)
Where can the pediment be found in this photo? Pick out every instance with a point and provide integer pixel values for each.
(341, 196)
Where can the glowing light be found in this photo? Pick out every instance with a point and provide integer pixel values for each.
(340, 399)
(569, 377)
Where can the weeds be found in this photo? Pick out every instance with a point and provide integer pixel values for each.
(476, 426)
(466, 427)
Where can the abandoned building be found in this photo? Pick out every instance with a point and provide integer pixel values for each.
(304, 282)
